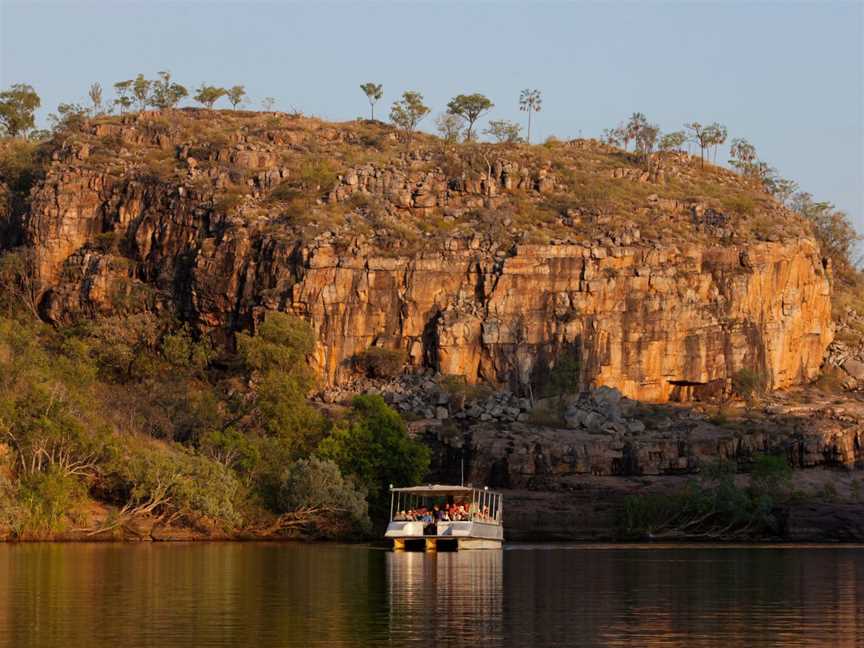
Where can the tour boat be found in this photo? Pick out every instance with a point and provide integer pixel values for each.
(445, 517)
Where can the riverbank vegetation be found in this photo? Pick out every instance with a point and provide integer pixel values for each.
(718, 505)
(107, 424)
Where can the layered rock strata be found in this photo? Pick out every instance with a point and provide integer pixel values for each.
(657, 320)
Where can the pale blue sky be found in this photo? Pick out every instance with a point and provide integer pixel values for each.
(787, 76)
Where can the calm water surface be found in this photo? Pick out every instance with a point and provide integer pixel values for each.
(189, 595)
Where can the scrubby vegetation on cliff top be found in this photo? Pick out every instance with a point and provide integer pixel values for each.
(358, 178)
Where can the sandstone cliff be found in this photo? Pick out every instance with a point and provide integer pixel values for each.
(663, 278)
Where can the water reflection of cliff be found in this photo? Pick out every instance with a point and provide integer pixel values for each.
(447, 599)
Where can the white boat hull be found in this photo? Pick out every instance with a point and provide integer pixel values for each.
(452, 535)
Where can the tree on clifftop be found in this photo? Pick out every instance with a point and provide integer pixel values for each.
(836, 234)
(504, 131)
(236, 95)
(209, 95)
(449, 127)
(141, 91)
(17, 107)
(124, 95)
(95, 94)
(469, 108)
(166, 94)
(646, 139)
(408, 112)
(530, 101)
(374, 91)
(743, 155)
(634, 126)
(701, 136)
(672, 141)
(716, 135)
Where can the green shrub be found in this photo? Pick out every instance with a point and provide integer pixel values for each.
(106, 242)
(379, 362)
(169, 481)
(457, 386)
(564, 375)
(749, 384)
(713, 506)
(228, 202)
(316, 492)
(372, 445)
(181, 350)
(282, 342)
(46, 499)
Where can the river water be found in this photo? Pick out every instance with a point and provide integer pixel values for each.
(269, 595)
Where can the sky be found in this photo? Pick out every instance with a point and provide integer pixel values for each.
(787, 76)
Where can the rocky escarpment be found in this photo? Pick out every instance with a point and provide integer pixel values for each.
(488, 263)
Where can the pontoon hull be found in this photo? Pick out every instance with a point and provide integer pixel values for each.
(451, 536)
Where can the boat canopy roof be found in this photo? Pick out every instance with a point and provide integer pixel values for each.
(435, 489)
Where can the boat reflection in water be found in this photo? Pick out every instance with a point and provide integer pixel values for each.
(449, 599)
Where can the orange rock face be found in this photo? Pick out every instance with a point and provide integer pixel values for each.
(657, 319)
(655, 323)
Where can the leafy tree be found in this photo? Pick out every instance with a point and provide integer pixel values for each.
(141, 91)
(646, 139)
(408, 112)
(449, 127)
(504, 131)
(672, 141)
(124, 95)
(95, 94)
(231, 448)
(701, 135)
(379, 362)
(373, 91)
(781, 188)
(634, 127)
(616, 136)
(469, 108)
(236, 95)
(69, 116)
(277, 357)
(317, 495)
(373, 445)
(182, 351)
(743, 155)
(208, 95)
(169, 481)
(564, 376)
(749, 384)
(165, 93)
(18, 106)
(716, 136)
(530, 101)
(19, 286)
(833, 228)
